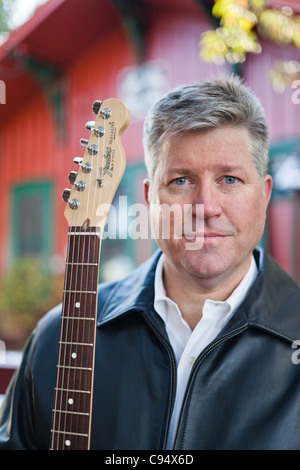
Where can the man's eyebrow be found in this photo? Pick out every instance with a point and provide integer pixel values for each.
(222, 168)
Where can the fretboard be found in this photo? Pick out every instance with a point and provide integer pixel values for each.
(71, 418)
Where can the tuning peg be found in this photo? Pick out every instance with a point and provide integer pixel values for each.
(96, 106)
(66, 194)
(93, 148)
(99, 131)
(90, 125)
(72, 176)
(105, 113)
(84, 142)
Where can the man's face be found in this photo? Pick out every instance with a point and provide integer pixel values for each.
(212, 170)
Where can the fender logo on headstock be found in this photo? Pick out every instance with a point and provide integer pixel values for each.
(105, 170)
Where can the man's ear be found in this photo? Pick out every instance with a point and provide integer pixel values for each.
(268, 189)
(147, 191)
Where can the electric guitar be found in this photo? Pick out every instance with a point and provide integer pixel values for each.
(94, 185)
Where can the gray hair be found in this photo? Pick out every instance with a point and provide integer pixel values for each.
(208, 105)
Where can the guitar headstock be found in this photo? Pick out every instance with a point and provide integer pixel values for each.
(101, 168)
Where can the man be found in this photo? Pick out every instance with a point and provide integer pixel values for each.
(194, 348)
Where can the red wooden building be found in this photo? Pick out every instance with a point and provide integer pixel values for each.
(72, 52)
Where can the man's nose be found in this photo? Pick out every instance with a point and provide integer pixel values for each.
(209, 197)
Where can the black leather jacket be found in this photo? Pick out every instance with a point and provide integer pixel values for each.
(243, 393)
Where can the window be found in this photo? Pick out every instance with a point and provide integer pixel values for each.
(120, 252)
(284, 210)
(32, 219)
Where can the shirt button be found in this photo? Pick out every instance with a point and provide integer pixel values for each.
(191, 360)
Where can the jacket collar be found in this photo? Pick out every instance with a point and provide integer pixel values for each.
(134, 292)
(272, 304)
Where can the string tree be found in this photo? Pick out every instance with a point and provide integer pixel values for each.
(100, 182)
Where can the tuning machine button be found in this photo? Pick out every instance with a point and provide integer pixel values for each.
(90, 125)
(84, 142)
(72, 176)
(96, 106)
(66, 194)
(77, 160)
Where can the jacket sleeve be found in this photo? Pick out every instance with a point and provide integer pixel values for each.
(16, 412)
(26, 413)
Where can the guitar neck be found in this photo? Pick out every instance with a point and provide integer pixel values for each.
(71, 417)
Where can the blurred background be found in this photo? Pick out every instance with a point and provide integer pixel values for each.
(58, 56)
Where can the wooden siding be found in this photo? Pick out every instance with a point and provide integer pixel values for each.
(34, 149)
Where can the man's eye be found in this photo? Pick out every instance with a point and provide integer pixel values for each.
(180, 181)
(230, 179)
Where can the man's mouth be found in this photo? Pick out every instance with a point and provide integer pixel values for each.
(205, 235)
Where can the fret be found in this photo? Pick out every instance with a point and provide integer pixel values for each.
(71, 412)
(69, 433)
(74, 367)
(84, 234)
(72, 390)
(69, 263)
(80, 291)
(66, 317)
(74, 343)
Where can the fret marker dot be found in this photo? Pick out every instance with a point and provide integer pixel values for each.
(70, 401)
(77, 305)
(74, 355)
(68, 443)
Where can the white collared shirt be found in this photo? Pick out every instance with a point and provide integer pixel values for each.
(188, 344)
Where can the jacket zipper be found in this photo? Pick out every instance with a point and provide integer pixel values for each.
(197, 361)
(174, 376)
